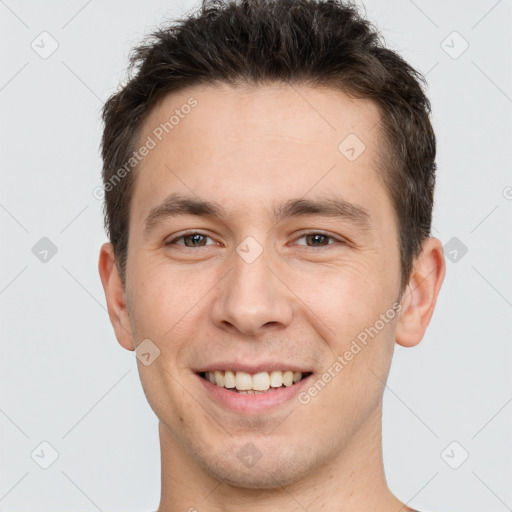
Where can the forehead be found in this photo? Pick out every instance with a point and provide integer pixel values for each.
(318, 115)
(259, 141)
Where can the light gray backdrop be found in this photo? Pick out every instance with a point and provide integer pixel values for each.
(65, 381)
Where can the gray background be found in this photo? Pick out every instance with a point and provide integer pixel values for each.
(66, 381)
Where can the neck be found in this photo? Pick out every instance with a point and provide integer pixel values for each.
(352, 479)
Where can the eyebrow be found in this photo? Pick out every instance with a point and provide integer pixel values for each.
(178, 204)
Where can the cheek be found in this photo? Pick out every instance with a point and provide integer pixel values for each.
(163, 308)
(162, 298)
(352, 309)
(348, 297)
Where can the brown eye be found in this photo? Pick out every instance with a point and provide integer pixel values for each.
(315, 239)
(318, 239)
(190, 240)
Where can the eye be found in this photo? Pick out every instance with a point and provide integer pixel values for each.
(318, 239)
(191, 239)
(196, 239)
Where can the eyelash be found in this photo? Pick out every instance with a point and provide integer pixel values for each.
(191, 233)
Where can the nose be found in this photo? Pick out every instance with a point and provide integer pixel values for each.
(253, 297)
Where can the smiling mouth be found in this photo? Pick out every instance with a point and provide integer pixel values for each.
(253, 384)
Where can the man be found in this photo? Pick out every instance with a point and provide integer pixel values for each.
(269, 172)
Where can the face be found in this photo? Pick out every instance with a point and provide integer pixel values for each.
(294, 255)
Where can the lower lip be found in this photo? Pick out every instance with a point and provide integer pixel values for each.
(259, 403)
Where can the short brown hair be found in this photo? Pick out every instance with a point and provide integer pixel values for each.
(257, 42)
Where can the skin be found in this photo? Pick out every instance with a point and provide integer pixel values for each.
(303, 300)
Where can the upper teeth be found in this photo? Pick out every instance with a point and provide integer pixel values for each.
(261, 381)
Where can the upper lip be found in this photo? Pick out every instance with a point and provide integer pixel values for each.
(251, 368)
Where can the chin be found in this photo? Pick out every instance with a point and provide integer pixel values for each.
(255, 479)
(276, 471)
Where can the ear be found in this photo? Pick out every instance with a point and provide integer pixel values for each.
(420, 296)
(115, 296)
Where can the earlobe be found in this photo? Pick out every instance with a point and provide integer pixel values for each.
(420, 296)
(115, 296)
